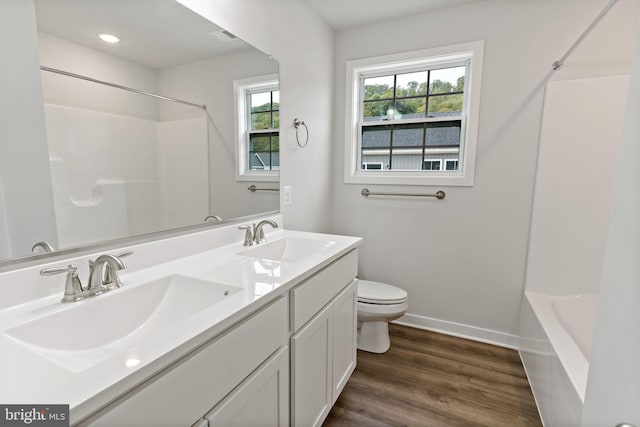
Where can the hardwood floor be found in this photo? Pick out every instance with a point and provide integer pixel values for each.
(431, 379)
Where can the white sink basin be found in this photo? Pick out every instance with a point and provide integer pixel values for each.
(288, 249)
(148, 308)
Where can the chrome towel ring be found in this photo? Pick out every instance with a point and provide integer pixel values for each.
(297, 123)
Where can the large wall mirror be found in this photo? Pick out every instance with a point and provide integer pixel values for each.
(122, 163)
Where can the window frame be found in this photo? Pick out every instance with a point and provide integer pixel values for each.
(241, 90)
(471, 54)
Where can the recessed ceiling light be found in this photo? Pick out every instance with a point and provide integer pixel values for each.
(109, 38)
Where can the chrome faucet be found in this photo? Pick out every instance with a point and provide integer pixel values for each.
(103, 277)
(254, 235)
(258, 234)
(103, 273)
(44, 246)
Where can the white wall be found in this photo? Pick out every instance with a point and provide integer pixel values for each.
(462, 260)
(210, 82)
(613, 389)
(303, 45)
(24, 162)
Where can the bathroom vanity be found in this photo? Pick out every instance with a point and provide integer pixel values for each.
(229, 335)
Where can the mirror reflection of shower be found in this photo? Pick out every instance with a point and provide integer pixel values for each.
(117, 175)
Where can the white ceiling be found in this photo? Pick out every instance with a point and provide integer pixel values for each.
(163, 33)
(341, 14)
(154, 33)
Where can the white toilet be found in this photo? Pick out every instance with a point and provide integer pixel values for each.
(378, 303)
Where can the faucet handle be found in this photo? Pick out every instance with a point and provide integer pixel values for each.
(73, 290)
(58, 270)
(248, 235)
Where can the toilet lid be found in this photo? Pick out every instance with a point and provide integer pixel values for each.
(380, 293)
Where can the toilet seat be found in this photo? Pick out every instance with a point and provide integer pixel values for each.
(380, 293)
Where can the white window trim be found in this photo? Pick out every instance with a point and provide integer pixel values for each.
(473, 51)
(240, 89)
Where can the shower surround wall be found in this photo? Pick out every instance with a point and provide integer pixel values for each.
(571, 215)
(126, 175)
(116, 170)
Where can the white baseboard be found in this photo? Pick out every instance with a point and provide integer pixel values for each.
(474, 333)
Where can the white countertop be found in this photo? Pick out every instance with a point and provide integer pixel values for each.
(89, 379)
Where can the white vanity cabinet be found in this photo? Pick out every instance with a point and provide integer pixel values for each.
(283, 365)
(323, 351)
(186, 391)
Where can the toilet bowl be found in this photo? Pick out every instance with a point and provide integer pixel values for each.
(378, 303)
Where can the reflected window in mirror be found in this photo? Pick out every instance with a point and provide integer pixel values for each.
(257, 123)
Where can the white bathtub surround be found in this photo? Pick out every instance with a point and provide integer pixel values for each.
(572, 204)
(168, 272)
(569, 224)
(568, 323)
(559, 401)
(139, 170)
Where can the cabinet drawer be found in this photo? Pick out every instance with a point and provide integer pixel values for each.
(314, 293)
(185, 391)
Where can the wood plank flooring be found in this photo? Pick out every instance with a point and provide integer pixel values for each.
(431, 379)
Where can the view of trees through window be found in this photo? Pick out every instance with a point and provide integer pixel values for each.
(264, 143)
(412, 120)
(428, 93)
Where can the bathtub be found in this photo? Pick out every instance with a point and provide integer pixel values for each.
(556, 334)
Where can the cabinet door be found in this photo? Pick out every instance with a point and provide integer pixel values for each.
(311, 363)
(261, 400)
(345, 313)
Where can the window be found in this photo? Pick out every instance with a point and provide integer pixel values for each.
(372, 165)
(257, 128)
(416, 113)
(432, 165)
(451, 165)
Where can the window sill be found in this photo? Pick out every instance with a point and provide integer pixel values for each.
(442, 179)
(259, 177)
